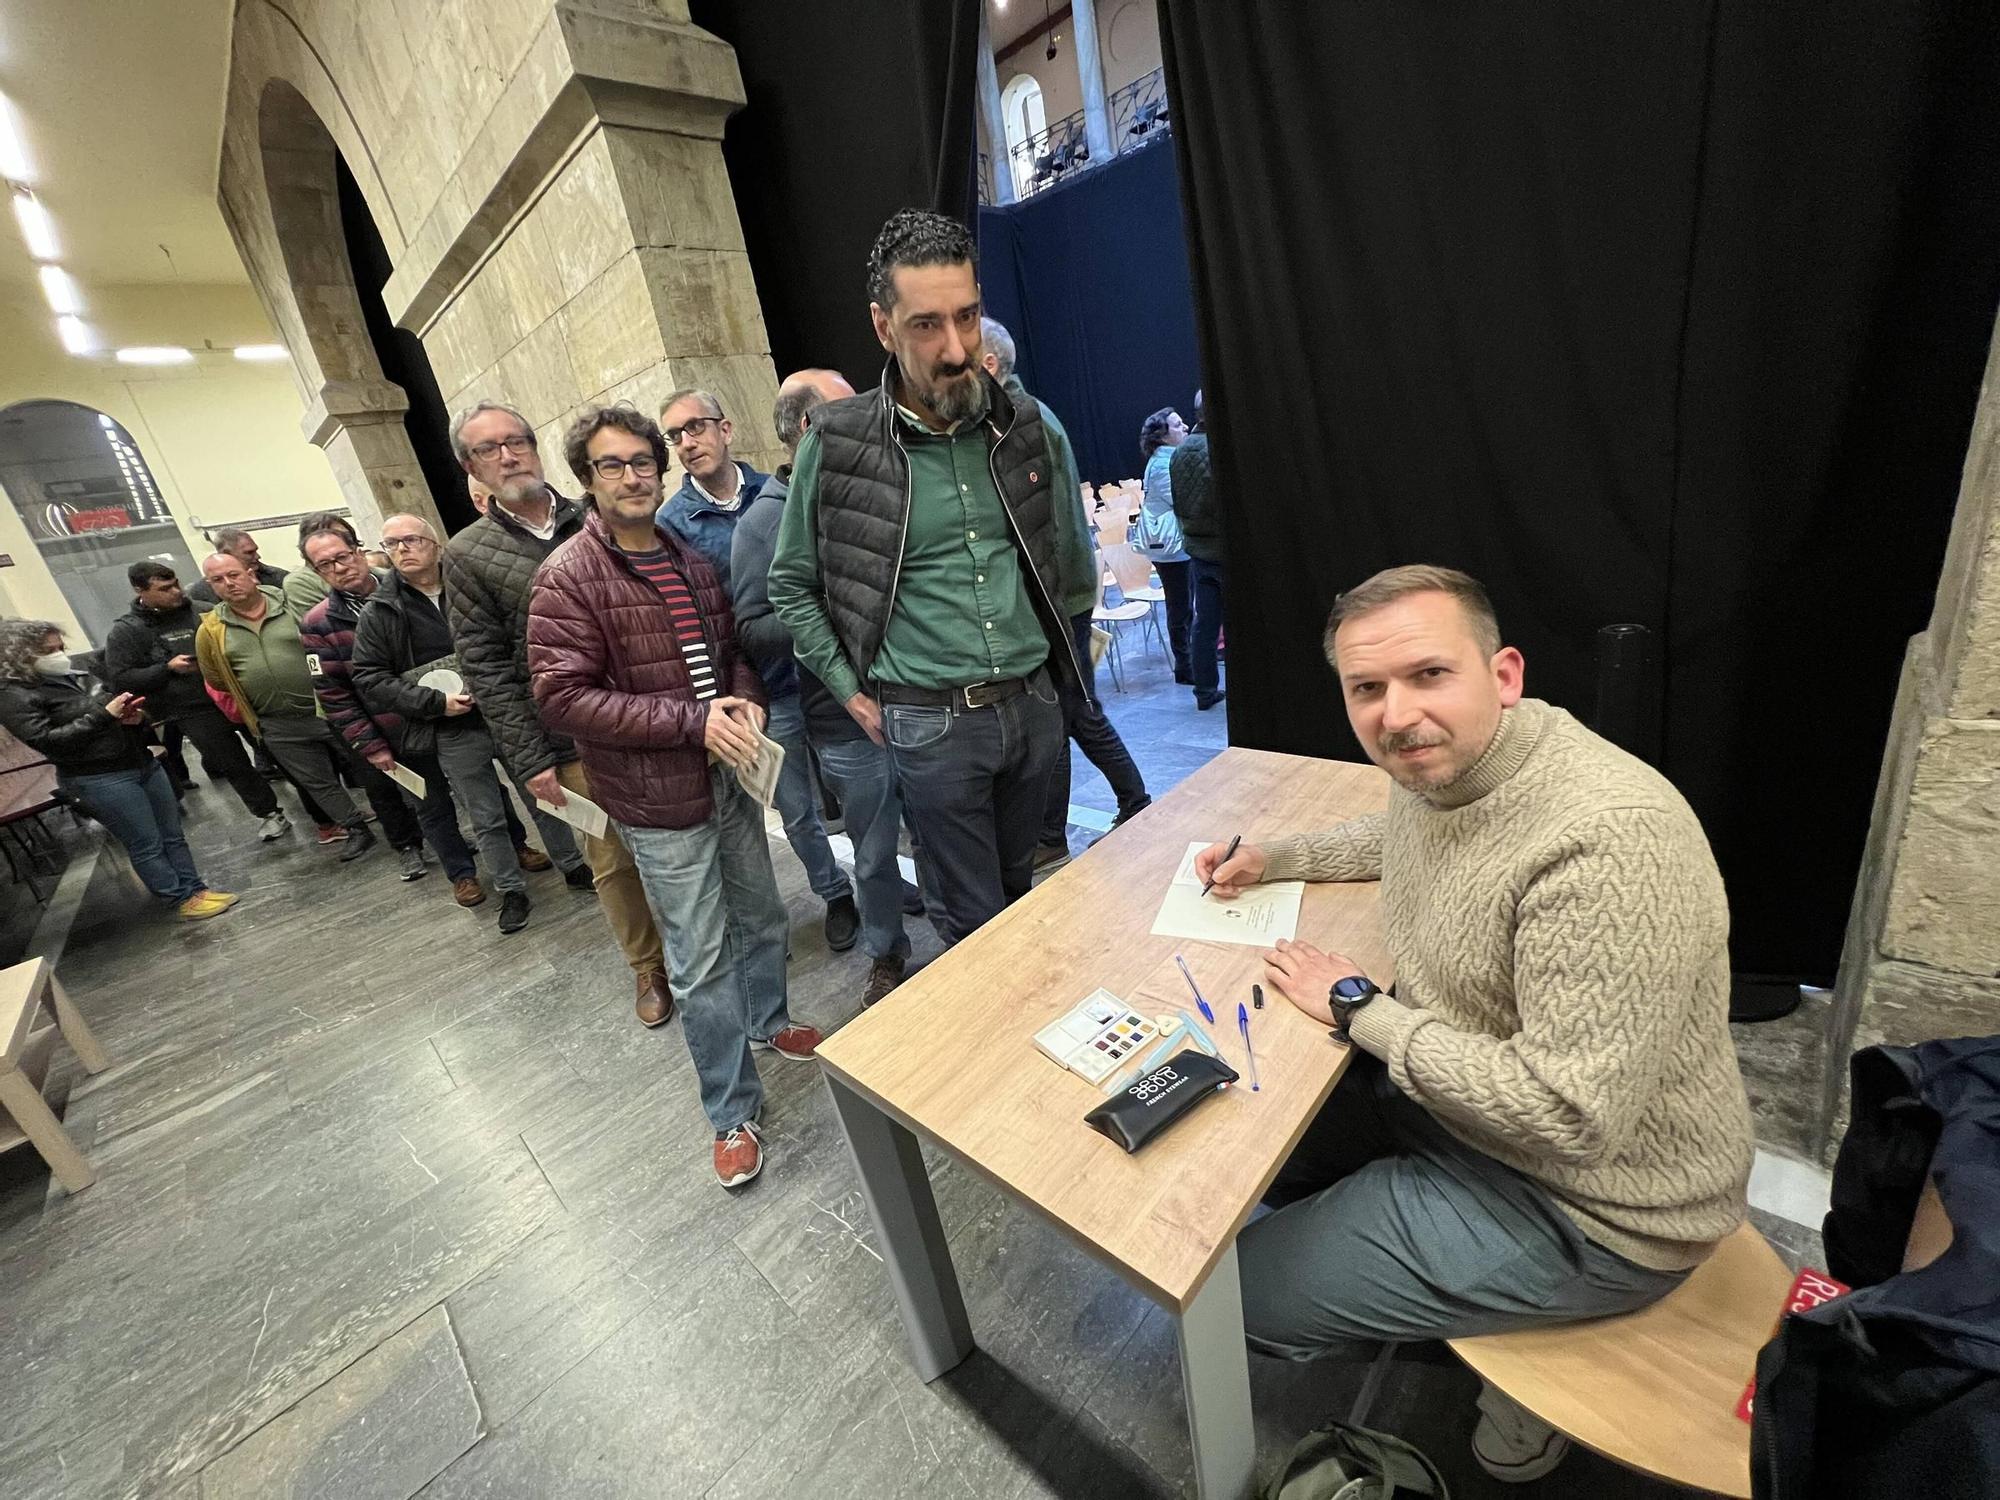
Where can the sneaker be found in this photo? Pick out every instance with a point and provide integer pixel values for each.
(331, 833)
(413, 863)
(360, 839)
(883, 976)
(1511, 1445)
(739, 1155)
(843, 923)
(513, 910)
(579, 879)
(205, 904)
(799, 1043)
(1048, 856)
(468, 892)
(275, 826)
(532, 859)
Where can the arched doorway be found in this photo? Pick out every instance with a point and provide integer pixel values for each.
(85, 494)
(1025, 116)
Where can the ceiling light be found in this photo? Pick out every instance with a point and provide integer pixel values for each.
(156, 354)
(61, 290)
(37, 228)
(14, 163)
(75, 335)
(262, 352)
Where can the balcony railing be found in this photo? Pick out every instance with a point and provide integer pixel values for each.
(1138, 116)
(1139, 111)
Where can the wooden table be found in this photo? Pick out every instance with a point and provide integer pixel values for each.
(1167, 1218)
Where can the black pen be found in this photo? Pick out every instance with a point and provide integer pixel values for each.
(1227, 856)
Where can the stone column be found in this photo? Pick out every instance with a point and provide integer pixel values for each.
(1922, 955)
(999, 162)
(1090, 73)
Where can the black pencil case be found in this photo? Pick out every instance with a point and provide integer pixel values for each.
(1150, 1104)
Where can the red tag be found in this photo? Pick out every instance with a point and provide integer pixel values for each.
(1809, 1290)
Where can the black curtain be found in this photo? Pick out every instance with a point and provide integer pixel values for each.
(1671, 314)
(1091, 278)
(853, 113)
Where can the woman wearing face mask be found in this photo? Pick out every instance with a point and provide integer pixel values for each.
(98, 745)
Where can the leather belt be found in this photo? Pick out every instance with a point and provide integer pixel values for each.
(972, 695)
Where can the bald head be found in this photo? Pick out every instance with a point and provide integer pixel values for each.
(412, 545)
(234, 580)
(798, 394)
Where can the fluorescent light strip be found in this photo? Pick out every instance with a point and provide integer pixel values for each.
(76, 336)
(156, 354)
(60, 289)
(262, 353)
(14, 163)
(37, 228)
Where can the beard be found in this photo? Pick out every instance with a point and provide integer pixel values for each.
(949, 394)
(1430, 778)
(517, 489)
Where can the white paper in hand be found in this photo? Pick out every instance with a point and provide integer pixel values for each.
(407, 779)
(579, 812)
(1260, 916)
(443, 680)
(760, 777)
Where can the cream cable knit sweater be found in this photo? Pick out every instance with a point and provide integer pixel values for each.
(1562, 980)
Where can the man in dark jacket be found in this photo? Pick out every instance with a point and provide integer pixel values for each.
(803, 712)
(489, 567)
(1193, 487)
(149, 652)
(400, 641)
(633, 652)
(919, 570)
(233, 541)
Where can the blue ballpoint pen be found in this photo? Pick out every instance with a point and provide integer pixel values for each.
(1243, 1025)
(1207, 1014)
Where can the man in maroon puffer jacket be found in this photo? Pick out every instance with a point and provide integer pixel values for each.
(632, 653)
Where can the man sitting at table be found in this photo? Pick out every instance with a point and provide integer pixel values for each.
(1546, 1122)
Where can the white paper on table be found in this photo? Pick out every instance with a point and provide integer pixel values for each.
(1260, 916)
(407, 779)
(579, 812)
(760, 777)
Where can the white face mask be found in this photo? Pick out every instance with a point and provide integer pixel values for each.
(55, 664)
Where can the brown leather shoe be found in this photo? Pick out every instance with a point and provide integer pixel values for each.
(531, 859)
(468, 892)
(656, 1001)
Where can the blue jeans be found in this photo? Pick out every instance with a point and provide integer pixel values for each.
(974, 782)
(716, 902)
(865, 782)
(138, 809)
(803, 829)
(466, 759)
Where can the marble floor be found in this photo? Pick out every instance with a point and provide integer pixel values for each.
(390, 1205)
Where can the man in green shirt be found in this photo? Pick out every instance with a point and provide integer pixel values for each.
(918, 570)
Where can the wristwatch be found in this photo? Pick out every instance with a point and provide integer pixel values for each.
(1345, 998)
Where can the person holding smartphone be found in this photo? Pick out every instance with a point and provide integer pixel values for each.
(99, 745)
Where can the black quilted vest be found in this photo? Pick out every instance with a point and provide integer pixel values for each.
(864, 505)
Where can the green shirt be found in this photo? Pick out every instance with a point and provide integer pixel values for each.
(1076, 546)
(961, 612)
(269, 660)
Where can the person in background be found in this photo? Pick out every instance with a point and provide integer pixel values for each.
(1158, 536)
(401, 637)
(857, 768)
(1545, 1121)
(1083, 712)
(488, 569)
(716, 487)
(1191, 483)
(632, 650)
(919, 571)
(100, 748)
(149, 653)
(239, 544)
(478, 494)
(248, 649)
(303, 587)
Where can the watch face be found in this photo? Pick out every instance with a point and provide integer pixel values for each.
(1355, 987)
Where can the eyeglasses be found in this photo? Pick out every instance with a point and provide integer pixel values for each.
(398, 543)
(692, 427)
(334, 560)
(518, 446)
(644, 465)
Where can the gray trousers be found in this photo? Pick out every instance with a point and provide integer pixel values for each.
(467, 755)
(306, 747)
(1390, 1229)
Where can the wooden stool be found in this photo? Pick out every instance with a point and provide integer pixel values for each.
(1655, 1390)
(27, 991)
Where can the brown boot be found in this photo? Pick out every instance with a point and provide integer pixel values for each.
(656, 1001)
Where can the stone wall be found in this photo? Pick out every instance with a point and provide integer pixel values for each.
(547, 177)
(1922, 955)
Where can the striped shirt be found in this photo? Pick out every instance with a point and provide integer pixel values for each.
(658, 568)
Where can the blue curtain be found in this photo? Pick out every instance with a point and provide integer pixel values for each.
(1091, 278)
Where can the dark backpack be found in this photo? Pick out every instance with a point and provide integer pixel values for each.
(1342, 1462)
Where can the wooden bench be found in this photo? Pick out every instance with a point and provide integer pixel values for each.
(1656, 1390)
(34, 1012)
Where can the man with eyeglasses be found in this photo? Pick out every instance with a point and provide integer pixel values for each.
(489, 569)
(327, 634)
(633, 648)
(400, 640)
(715, 487)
